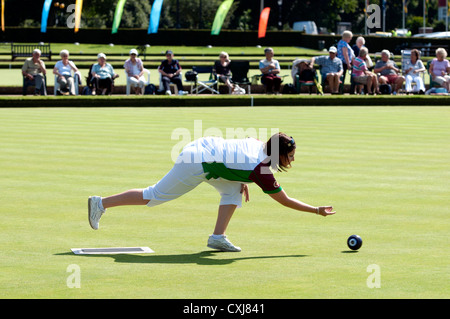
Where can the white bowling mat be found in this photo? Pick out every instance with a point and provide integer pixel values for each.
(112, 250)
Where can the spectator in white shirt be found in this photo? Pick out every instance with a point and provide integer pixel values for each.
(63, 69)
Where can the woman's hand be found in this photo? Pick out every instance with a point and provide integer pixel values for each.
(325, 211)
(244, 191)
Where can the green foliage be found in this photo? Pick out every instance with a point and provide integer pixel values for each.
(192, 14)
(324, 13)
(243, 15)
(413, 23)
(245, 20)
(100, 14)
(439, 25)
(136, 14)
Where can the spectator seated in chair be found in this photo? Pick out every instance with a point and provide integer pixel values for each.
(134, 69)
(303, 69)
(389, 72)
(63, 70)
(331, 69)
(414, 69)
(103, 76)
(222, 70)
(34, 71)
(361, 74)
(304, 75)
(170, 71)
(270, 68)
(440, 69)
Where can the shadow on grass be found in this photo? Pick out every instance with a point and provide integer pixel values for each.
(201, 258)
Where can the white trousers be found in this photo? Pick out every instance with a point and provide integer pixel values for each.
(414, 79)
(137, 83)
(184, 177)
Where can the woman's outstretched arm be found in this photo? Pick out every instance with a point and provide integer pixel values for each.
(282, 198)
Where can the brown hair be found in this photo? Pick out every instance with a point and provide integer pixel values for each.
(417, 52)
(285, 144)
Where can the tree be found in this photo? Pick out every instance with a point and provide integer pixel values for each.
(323, 13)
(193, 14)
(136, 14)
(100, 13)
(242, 15)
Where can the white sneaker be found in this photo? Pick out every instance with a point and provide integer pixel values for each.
(94, 211)
(182, 92)
(168, 92)
(222, 244)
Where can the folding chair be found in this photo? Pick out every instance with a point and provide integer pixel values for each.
(309, 84)
(239, 71)
(295, 73)
(27, 83)
(406, 58)
(198, 86)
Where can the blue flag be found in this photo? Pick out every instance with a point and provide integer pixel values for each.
(45, 11)
(154, 16)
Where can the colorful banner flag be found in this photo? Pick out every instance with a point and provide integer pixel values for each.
(220, 16)
(3, 15)
(78, 7)
(45, 11)
(264, 17)
(155, 15)
(118, 15)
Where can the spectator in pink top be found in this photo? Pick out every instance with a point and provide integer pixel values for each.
(134, 68)
(361, 74)
(440, 69)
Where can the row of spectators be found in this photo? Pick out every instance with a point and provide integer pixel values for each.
(385, 73)
(341, 59)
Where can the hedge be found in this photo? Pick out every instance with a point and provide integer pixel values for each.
(139, 36)
(238, 101)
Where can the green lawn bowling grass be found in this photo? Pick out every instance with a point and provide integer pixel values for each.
(94, 49)
(13, 77)
(384, 169)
